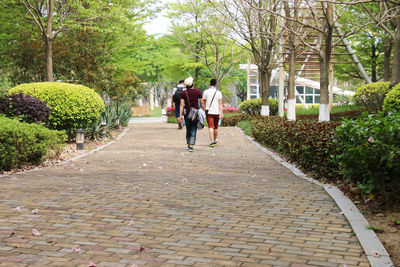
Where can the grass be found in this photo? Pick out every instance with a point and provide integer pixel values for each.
(374, 228)
(246, 127)
(156, 112)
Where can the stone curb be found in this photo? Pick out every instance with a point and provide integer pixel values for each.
(74, 158)
(373, 248)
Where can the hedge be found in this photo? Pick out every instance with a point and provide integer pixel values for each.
(71, 106)
(23, 143)
(306, 142)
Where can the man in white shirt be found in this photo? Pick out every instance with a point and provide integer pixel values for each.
(213, 104)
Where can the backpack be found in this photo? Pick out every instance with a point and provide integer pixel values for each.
(178, 92)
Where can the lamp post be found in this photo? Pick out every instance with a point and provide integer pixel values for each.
(116, 122)
(80, 138)
(103, 129)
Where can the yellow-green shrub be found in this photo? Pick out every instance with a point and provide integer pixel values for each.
(372, 95)
(71, 106)
(392, 100)
(253, 106)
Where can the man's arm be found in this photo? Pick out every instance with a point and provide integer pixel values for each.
(181, 109)
(221, 114)
(203, 103)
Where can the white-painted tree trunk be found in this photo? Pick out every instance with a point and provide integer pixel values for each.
(264, 110)
(291, 109)
(323, 112)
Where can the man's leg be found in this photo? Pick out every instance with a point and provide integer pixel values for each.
(177, 114)
(215, 134)
(211, 133)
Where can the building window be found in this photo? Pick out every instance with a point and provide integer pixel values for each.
(309, 90)
(316, 99)
(253, 90)
(309, 99)
(300, 89)
(253, 81)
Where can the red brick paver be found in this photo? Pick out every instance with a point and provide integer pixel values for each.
(144, 200)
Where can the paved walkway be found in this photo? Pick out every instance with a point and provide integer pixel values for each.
(144, 200)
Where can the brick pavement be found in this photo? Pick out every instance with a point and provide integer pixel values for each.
(144, 200)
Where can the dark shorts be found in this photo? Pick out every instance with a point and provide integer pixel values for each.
(212, 120)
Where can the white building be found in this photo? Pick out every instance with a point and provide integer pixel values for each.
(306, 89)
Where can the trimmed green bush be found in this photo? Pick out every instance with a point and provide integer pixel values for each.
(392, 100)
(368, 150)
(372, 96)
(23, 143)
(71, 106)
(253, 106)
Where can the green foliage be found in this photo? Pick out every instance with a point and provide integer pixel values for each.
(109, 116)
(397, 222)
(392, 100)
(71, 106)
(22, 143)
(253, 106)
(372, 96)
(368, 150)
(124, 113)
(308, 143)
(374, 228)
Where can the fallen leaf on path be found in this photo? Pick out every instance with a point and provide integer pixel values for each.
(18, 209)
(76, 250)
(131, 223)
(12, 233)
(376, 253)
(92, 264)
(184, 180)
(35, 211)
(35, 232)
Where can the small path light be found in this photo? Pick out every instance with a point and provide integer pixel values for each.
(80, 138)
(116, 122)
(103, 129)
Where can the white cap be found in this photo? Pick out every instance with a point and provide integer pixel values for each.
(189, 81)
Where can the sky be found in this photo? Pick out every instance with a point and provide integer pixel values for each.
(160, 24)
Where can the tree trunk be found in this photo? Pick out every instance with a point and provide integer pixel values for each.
(396, 57)
(388, 45)
(373, 63)
(49, 60)
(324, 89)
(265, 77)
(324, 57)
(49, 42)
(291, 112)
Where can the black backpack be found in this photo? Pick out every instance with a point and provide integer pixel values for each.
(178, 92)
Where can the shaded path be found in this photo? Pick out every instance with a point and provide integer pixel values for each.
(225, 206)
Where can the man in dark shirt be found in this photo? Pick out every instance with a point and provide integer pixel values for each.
(190, 98)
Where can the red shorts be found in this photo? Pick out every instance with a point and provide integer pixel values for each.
(212, 120)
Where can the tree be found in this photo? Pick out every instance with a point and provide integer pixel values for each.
(254, 27)
(53, 17)
(388, 19)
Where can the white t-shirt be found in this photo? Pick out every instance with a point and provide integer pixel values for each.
(208, 96)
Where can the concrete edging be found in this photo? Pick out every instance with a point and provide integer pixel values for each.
(373, 248)
(76, 157)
